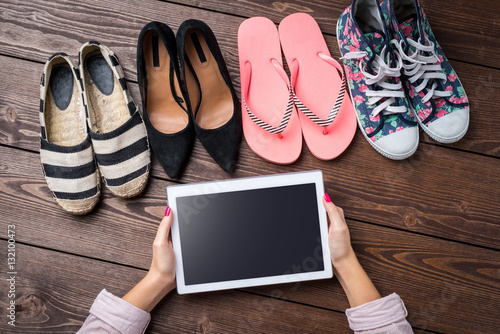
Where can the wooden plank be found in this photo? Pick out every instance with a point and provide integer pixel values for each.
(38, 39)
(438, 191)
(54, 292)
(38, 29)
(462, 39)
(30, 30)
(419, 268)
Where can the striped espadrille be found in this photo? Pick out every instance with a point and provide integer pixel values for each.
(117, 130)
(65, 145)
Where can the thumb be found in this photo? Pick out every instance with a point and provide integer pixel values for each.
(334, 215)
(164, 228)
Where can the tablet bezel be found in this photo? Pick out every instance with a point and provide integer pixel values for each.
(211, 188)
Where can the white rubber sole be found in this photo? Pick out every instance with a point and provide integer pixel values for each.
(442, 139)
(380, 150)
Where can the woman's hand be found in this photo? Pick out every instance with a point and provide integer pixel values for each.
(341, 251)
(160, 279)
(354, 280)
(163, 264)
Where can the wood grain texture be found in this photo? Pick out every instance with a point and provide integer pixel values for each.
(461, 39)
(412, 265)
(37, 30)
(448, 191)
(44, 223)
(438, 191)
(54, 292)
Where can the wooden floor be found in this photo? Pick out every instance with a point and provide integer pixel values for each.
(427, 227)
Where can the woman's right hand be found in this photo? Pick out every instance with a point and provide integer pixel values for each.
(339, 240)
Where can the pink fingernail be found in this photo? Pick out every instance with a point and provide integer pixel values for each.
(167, 211)
(327, 198)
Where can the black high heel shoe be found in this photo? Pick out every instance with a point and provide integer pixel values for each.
(170, 127)
(211, 99)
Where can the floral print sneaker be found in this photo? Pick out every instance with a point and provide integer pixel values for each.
(437, 97)
(373, 69)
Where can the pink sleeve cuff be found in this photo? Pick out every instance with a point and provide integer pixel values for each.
(119, 314)
(384, 315)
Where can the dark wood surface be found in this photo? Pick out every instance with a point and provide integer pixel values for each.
(427, 228)
(58, 288)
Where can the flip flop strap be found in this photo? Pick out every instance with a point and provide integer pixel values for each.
(338, 102)
(289, 108)
(284, 121)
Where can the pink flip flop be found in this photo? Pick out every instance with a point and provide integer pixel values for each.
(270, 122)
(326, 114)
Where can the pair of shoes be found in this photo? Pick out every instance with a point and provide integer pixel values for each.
(399, 77)
(193, 98)
(90, 126)
(272, 126)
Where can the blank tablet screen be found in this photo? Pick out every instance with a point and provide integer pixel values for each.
(250, 234)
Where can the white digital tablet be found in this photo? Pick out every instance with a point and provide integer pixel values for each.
(249, 232)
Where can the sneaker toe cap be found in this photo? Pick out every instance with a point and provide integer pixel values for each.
(451, 127)
(399, 145)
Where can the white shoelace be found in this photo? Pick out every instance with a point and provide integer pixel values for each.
(422, 67)
(383, 71)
